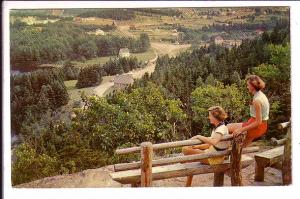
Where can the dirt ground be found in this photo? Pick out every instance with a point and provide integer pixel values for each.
(97, 178)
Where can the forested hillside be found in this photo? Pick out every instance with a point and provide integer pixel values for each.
(32, 46)
(169, 105)
(58, 136)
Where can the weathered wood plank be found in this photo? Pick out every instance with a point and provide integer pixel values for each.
(179, 159)
(271, 156)
(260, 170)
(218, 179)
(168, 145)
(278, 142)
(146, 164)
(235, 163)
(284, 125)
(287, 160)
(175, 170)
(266, 159)
(171, 160)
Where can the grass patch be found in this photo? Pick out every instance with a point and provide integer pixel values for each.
(75, 93)
(97, 60)
(71, 84)
(148, 55)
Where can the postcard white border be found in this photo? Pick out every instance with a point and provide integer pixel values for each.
(240, 192)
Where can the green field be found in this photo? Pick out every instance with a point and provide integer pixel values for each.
(75, 93)
(150, 54)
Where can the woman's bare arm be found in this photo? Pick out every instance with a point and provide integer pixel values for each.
(258, 119)
(212, 141)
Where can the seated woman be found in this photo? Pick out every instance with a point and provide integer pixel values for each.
(257, 125)
(216, 115)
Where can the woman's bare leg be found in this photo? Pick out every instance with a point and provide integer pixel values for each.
(189, 150)
(201, 146)
(233, 126)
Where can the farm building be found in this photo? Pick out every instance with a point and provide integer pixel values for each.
(259, 32)
(124, 52)
(122, 81)
(230, 43)
(97, 32)
(57, 12)
(218, 40)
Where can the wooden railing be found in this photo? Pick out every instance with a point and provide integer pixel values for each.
(146, 163)
(287, 161)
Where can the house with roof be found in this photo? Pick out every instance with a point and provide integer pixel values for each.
(259, 31)
(217, 40)
(123, 80)
(229, 43)
(97, 32)
(124, 52)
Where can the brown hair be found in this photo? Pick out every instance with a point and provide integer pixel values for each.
(256, 82)
(218, 113)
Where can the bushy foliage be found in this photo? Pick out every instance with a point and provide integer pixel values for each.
(228, 97)
(32, 94)
(31, 166)
(89, 76)
(117, 14)
(121, 65)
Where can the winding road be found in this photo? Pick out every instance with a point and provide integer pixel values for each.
(137, 74)
(160, 49)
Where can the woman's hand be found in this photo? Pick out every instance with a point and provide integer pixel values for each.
(237, 132)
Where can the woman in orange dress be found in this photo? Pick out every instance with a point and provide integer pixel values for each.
(257, 125)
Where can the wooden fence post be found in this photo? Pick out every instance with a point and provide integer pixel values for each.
(146, 164)
(218, 179)
(287, 162)
(235, 160)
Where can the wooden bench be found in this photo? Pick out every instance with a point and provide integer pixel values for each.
(279, 158)
(270, 158)
(133, 177)
(142, 173)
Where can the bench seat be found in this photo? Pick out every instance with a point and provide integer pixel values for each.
(269, 158)
(176, 170)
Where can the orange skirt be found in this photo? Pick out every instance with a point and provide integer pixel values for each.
(257, 132)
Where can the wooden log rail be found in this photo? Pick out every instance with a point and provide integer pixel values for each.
(146, 149)
(284, 125)
(281, 126)
(168, 145)
(180, 159)
(287, 156)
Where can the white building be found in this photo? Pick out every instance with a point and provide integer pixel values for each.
(124, 52)
(218, 40)
(97, 32)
